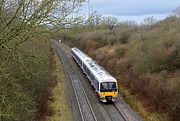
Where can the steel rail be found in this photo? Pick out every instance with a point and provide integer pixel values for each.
(120, 112)
(82, 89)
(78, 79)
(85, 95)
(79, 106)
(124, 117)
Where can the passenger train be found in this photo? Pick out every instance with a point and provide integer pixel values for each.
(104, 84)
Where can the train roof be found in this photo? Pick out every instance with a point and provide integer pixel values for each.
(98, 71)
(80, 54)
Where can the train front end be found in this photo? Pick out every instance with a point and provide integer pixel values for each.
(108, 91)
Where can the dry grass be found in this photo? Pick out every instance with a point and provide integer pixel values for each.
(58, 104)
(138, 106)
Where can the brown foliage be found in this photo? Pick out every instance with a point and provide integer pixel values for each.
(146, 58)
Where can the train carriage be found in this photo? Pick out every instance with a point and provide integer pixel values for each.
(105, 85)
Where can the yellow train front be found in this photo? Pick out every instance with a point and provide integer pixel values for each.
(108, 91)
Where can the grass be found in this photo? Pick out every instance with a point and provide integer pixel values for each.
(58, 102)
(137, 105)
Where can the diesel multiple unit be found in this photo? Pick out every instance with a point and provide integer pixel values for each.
(105, 85)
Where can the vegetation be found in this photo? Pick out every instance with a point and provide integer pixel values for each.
(22, 81)
(26, 55)
(136, 103)
(146, 57)
(57, 101)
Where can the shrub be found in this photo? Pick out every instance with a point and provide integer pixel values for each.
(173, 59)
(123, 37)
(120, 52)
(152, 58)
(24, 73)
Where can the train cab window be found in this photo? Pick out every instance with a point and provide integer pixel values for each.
(104, 87)
(108, 87)
(112, 86)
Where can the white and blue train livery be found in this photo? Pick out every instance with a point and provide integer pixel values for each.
(105, 85)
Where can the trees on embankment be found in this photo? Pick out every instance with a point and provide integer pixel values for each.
(26, 54)
(146, 57)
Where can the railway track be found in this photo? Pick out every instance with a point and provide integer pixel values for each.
(111, 108)
(114, 111)
(85, 108)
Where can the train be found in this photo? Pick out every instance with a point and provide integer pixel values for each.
(105, 85)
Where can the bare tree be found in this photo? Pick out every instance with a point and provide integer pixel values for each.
(149, 21)
(22, 19)
(23, 68)
(110, 21)
(94, 19)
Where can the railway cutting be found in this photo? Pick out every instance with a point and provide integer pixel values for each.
(90, 108)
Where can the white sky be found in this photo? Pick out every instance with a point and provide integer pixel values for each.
(135, 10)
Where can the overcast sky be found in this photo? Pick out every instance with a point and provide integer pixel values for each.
(133, 9)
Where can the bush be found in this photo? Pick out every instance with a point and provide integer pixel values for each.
(152, 58)
(123, 37)
(173, 59)
(24, 73)
(120, 52)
